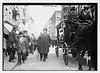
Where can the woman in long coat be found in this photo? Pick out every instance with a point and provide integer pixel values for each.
(43, 44)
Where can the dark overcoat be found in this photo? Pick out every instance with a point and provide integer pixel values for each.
(84, 17)
(43, 43)
(22, 45)
(12, 38)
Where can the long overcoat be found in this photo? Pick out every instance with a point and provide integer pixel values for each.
(31, 44)
(43, 43)
(12, 38)
(22, 45)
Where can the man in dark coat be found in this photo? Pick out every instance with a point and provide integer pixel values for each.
(72, 17)
(28, 40)
(43, 44)
(85, 16)
(12, 42)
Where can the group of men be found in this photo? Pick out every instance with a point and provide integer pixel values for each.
(83, 16)
(22, 44)
(19, 43)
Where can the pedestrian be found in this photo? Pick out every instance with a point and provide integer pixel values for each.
(72, 17)
(32, 43)
(28, 44)
(85, 16)
(22, 49)
(43, 44)
(12, 43)
(19, 50)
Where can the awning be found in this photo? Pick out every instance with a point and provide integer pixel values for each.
(6, 31)
(10, 23)
(8, 27)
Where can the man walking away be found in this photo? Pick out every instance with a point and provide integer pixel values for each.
(43, 43)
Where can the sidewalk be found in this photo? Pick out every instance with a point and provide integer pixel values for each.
(9, 66)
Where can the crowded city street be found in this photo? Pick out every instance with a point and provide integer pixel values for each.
(52, 37)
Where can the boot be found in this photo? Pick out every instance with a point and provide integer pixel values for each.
(80, 67)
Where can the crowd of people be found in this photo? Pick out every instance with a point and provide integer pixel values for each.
(22, 44)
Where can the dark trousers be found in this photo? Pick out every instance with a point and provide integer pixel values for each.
(35, 46)
(31, 48)
(11, 54)
(21, 56)
(44, 56)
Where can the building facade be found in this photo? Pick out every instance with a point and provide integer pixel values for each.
(52, 23)
(14, 13)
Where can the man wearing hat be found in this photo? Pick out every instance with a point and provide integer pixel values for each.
(43, 43)
(72, 17)
(85, 16)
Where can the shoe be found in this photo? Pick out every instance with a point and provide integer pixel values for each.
(19, 63)
(12, 61)
(89, 68)
(40, 59)
(9, 60)
(44, 60)
(80, 69)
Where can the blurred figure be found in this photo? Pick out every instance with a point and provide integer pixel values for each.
(12, 43)
(85, 16)
(22, 48)
(72, 17)
(43, 44)
(32, 43)
(28, 42)
(5, 37)
(19, 50)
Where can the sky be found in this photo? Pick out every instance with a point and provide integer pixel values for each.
(41, 15)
